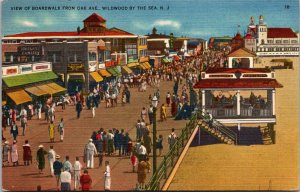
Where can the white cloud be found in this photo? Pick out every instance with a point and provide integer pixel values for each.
(48, 21)
(140, 25)
(170, 23)
(28, 23)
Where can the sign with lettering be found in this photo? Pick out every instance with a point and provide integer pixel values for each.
(76, 67)
(30, 50)
(13, 70)
(26, 68)
(92, 66)
(41, 67)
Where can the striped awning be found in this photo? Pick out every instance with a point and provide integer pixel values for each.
(132, 64)
(147, 65)
(51, 88)
(19, 96)
(142, 66)
(126, 69)
(95, 75)
(36, 91)
(104, 73)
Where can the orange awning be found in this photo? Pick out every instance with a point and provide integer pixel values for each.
(104, 73)
(36, 91)
(95, 75)
(19, 96)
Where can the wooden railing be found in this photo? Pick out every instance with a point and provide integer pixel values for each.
(170, 159)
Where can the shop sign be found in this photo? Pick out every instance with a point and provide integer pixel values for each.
(25, 68)
(30, 50)
(42, 67)
(92, 66)
(76, 67)
(6, 71)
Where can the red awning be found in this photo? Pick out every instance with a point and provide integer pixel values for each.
(237, 83)
(176, 57)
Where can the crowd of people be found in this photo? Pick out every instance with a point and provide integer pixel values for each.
(106, 143)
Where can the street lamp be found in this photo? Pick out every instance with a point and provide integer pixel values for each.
(154, 104)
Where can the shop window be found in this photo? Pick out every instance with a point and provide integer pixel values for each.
(54, 56)
(285, 41)
(92, 56)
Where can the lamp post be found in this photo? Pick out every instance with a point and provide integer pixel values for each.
(154, 104)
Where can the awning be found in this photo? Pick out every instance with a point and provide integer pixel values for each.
(36, 91)
(3, 103)
(132, 64)
(57, 87)
(96, 76)
(29, 78)
(51, 88)
(19, 96)
(117, 71)
(126, 69)
(142, 66)
(104, 73)
(176, 58)
(147, 65)
(114, 71)
(165, 60)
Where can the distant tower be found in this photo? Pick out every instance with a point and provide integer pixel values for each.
(154, 30)
(262, 31)
(252, 21)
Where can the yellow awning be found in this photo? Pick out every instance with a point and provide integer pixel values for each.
(142, 66)
(3, 103)
(19, 96)
(126, 69)
(47, 89)
(147, 65)
(57, 87)
(96, 76)
(104, 73)
(132, 64)
(36, 91)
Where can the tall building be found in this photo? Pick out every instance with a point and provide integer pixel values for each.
(270, 42)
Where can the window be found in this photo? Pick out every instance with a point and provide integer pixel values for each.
(10, 57)
(285, 41)
(107, 55)
(101, 57)
(278, 41)
(294, 41)
(92, 56)
(131, 50)
(262, 41)
(74, 57)
(270, 41)
(115, 42)
(143, 41)
(54, 56)
(143, 53)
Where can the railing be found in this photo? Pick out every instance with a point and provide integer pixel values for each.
(219, 126)
(244, 112)
(256, 112)
(171, 157)
(222, 112)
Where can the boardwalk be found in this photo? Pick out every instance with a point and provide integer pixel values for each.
(77, 133)
(254, 167)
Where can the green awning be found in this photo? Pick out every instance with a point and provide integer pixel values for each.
(165, 60)
(117, 71)
(29, 78)
(112, 71)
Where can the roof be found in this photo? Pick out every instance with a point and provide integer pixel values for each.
(158, 36)
(237, 37)
(241, 70)
(241, 52)
(248, 36)
(237, 83)
(94, 18)
(281, 33)
(112, 32)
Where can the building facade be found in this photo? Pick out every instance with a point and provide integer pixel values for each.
(78, 53)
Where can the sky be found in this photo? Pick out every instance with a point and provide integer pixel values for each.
(192, 18)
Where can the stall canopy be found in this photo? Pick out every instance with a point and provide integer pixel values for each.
(36, 91)
(104, 73)
(147, 65)
(3, 103)
(126, 69)
(176, 58)
(19, 96)
(166, 60)
(29, 78)
(95, 75)
(114, 71)
(142, 66)
(51, 88)
(132, 64)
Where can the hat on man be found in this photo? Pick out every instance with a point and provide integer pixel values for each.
(90, 140)
(57, 156)
(41, 146)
